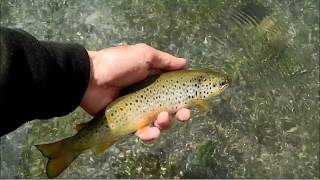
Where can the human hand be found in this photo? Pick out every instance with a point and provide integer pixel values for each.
(115, 68)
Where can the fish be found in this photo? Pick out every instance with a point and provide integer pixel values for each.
(133, 111)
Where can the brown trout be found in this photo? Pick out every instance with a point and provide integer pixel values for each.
(134, 111)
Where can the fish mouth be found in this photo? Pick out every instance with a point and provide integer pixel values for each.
(225, 86)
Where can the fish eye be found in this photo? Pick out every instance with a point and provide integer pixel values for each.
(222, 83)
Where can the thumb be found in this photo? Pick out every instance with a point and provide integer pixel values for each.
(164, 61)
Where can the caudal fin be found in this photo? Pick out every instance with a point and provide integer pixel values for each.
(60, 157)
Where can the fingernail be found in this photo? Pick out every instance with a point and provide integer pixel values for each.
(183, 59)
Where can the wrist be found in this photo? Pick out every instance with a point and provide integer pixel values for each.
(85, 103)
(91, 55)
(99, 92)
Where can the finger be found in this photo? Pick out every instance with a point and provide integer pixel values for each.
(165, 61)
(183, 114)
(155, 72)
(163, 121)
(148, 133)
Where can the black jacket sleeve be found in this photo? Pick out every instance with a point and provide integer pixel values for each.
(39, 80)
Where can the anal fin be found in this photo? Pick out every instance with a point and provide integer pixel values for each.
(80, 126)
(201, 103)
(102, 147)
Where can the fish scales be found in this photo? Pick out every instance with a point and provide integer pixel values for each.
(170, 92)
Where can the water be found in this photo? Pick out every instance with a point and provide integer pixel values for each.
(266, 125)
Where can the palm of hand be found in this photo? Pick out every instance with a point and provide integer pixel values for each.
(115, 68)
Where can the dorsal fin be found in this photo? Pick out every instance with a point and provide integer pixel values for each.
(139, 85)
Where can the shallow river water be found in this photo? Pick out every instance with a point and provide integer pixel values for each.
(265, 125)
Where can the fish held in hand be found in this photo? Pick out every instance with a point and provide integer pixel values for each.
(134, 111)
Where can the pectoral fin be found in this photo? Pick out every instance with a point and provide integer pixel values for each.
(201, 103)
(142, 129)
